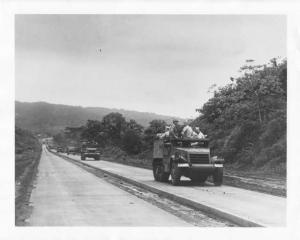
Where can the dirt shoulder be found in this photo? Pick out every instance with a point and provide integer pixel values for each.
(23, 189)
(260, 181)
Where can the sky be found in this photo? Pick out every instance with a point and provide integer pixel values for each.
(152, 63)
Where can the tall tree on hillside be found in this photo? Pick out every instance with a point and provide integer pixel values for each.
(114, 125)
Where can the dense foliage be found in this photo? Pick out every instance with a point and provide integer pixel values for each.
(113, 130)
(27, 151)
(246, 119)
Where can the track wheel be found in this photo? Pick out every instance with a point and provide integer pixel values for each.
(159, 174)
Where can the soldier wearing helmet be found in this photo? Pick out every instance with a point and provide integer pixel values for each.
(174, 129)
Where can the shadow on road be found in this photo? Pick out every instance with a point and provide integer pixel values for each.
(187, 183)
(90, 160)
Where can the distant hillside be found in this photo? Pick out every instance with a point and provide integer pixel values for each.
(51, 118)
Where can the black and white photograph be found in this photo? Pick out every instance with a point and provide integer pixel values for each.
(136, 120)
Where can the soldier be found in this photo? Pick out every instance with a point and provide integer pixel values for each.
(166, 134)
(174, 129)
(187, 132)
(199, 135)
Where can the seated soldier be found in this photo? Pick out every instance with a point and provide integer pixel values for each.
(198, 134)
(187, 132)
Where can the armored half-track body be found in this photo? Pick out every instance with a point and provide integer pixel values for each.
(185, 157)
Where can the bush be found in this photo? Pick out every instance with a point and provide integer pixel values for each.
(274, 130)
(132, 142)
(275, 153)
(27, 151)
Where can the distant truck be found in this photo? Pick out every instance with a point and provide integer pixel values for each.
(90, 151)
(185, 157)
(72, 150)
(60, 149)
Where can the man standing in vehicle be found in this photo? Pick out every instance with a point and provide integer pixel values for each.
(174, 129)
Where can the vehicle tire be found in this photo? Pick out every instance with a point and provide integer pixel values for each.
(82, 158)
(165, 177)
(97, 158)
(175, 174)
(159, 174)
(199, 179)
(218, 177)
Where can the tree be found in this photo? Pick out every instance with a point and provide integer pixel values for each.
(91, 130)
(155, 126)
(132, 141)
(132, 138)
(60, 139)
(73, 135)
(114, 125)
(133, 125)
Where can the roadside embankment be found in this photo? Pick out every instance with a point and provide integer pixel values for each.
(27, 155)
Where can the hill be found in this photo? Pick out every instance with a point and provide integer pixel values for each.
(50, 118)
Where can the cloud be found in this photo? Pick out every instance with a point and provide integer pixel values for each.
(157, 63)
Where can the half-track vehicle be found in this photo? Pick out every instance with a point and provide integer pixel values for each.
(89, 150)
(185, 157)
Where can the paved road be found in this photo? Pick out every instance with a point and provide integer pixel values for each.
(260, 208)
(66, 195)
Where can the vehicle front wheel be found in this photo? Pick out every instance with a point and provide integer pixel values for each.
(175, 174)
(159, 174)
(218, 177)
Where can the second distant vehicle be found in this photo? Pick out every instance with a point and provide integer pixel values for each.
(60, 149)
(90, 151)
(72, 150)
